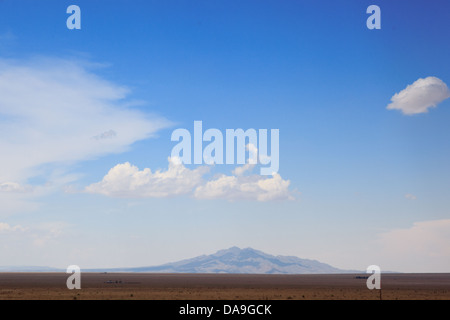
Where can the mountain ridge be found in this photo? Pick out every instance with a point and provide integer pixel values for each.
(231, 260)
(237, 260)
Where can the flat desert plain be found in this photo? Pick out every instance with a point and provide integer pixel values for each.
(122, 286)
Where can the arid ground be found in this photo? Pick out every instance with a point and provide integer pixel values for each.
(223, 286)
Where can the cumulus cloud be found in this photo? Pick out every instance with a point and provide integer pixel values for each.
(239, 171)
(423, 246)
(418, 97)
(59, 111)
(126, 180)
(246, 187)
(240, 187)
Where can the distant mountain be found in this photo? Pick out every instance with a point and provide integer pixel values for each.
(29, 269)
(233, 260)
(236, 260)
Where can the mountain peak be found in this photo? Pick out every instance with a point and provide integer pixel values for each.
(233, 250)
(247, 260)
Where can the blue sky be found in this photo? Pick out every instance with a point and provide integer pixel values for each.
(367, 184)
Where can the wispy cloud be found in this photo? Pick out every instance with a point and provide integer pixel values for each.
(32, 236)
(14, 187)
(59, 111)
(5, 227)
(410, 196)
(420, 96)
(110, 134)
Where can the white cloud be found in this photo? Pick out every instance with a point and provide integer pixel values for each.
(253, 154)
(418, 97)
(58, 111)
(239, 171)
(240, 187)
(4, 227)
(410, 196)
(126, 180)
(13, 187)
(424, 247)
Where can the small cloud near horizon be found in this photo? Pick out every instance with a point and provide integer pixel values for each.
(422, 246)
